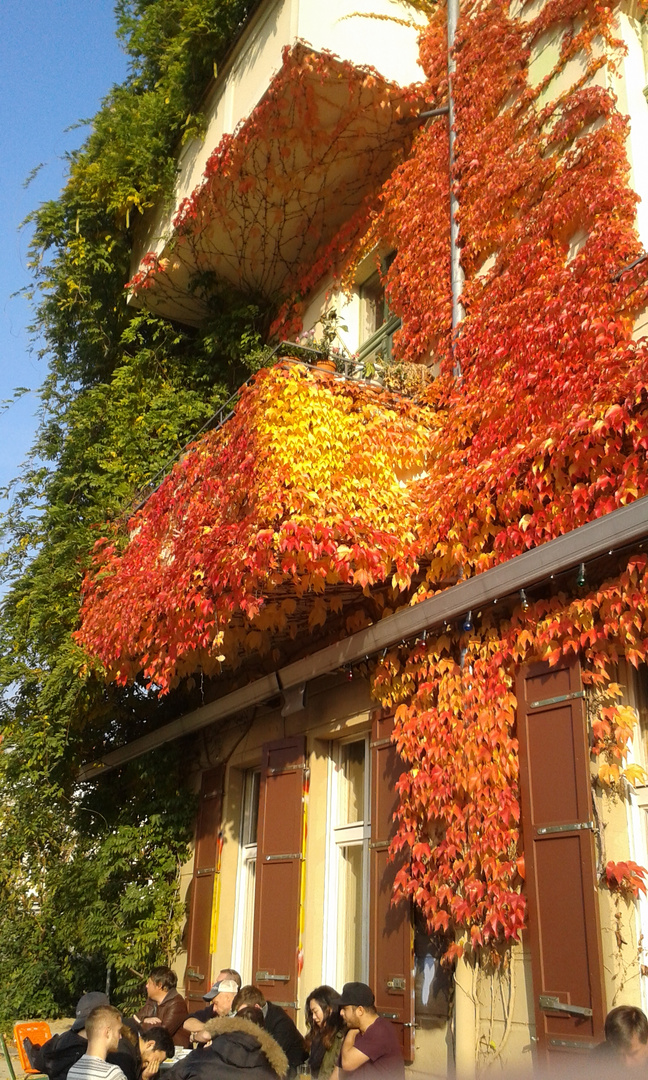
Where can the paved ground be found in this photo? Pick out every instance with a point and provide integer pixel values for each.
(55, 1025)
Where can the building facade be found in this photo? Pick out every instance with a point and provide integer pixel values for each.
(297, 773)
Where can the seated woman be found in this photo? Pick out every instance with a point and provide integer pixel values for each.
(326, 1031)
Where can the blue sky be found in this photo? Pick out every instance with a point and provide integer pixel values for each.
(58, 60)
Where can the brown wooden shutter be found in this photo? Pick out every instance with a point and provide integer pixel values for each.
(561, 881)
(205, 881)
(275, 961)
(391, 937)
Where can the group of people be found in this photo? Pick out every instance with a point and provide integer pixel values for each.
(238, 1035)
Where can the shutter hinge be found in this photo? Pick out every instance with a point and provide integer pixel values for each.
(388, 1015)
(265, 976)
(573, 1044)
(381, 742)
(204, 870)
(573, 826)
(556, 700)
(550, 1003)
(193, 974)
(396, 984)
(286, 769)
(275, 858)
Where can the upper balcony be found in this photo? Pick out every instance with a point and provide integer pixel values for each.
(303, 123)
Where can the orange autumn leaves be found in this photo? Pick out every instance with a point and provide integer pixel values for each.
(306, 487)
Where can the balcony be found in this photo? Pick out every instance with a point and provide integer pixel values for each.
(299, 138)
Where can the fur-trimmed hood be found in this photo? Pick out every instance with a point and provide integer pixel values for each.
(232, 1035)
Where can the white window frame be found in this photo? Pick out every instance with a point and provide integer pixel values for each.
(636, 811)
(243, 932)
(338, 836)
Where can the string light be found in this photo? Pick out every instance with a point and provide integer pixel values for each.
(523, 600)
(468, 622)
(581, 580)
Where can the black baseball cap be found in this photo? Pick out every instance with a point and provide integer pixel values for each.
(85, 1005)
(356, 993)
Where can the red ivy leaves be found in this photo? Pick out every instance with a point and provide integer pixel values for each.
(626, 878)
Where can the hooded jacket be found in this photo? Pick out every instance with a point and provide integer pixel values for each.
(240, 1050)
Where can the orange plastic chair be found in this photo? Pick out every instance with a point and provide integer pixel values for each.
(36, 1030)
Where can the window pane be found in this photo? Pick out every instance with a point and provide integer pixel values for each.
(351, 783)
(373, 305)
(350, 915)
(251, 812)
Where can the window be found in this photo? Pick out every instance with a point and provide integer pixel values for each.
(246, 877)
(346, 946)
(377, 325)
(373, 308)
(637, 806)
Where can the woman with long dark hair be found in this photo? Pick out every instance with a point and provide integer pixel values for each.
(326, 1031)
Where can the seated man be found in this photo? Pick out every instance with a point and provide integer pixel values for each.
(138, 1054)
(239, 1049)
(220, 998)
(103, 1028)
(626, 1037)
(57, 1056)
(277, 1023)
(371, 1048)
(164, 1005)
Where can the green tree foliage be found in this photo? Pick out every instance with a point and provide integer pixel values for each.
(88, 873)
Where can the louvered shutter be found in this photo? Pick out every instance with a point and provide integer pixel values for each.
(561, 881)
(391, 936)
(275, 961)
(204, 886)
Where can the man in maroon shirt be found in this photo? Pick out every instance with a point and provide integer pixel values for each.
(371, 1050)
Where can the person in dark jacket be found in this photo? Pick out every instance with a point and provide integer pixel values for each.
(240, 1049)
(164, 1005)
(219, 999)
(277, 1023)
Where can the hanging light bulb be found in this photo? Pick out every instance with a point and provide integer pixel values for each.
(468, 622)
(523, 600)
(581, 580)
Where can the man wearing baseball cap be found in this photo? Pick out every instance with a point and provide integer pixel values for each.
(371, 1050)
(219, 997)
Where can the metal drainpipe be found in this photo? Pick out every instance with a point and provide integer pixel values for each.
(456, 270)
